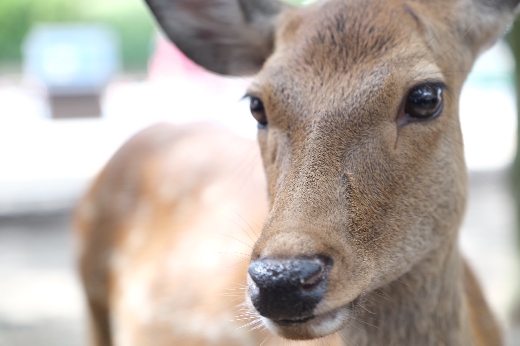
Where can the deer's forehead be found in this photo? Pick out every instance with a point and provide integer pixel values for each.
(350, 50)
(347, 31)
(339, 35)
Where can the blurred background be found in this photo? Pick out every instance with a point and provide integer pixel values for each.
(79, 77)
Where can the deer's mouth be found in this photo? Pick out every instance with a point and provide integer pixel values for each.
(294, 322)
(315, 326)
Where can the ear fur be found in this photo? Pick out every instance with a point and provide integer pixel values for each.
(229, 37)
(483, 22)
(503, 5)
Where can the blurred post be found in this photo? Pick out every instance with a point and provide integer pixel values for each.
(74, 62)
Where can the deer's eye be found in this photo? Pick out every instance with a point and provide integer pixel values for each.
(424, 102)
(258, 111)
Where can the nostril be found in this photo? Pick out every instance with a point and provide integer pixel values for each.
(310, 274)
(313, 281)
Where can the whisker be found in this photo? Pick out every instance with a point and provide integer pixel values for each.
(242, 228)
(265, 340)
(236, 254)
(226, 235)
(251, 228)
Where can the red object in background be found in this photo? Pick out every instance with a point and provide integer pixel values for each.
(168, 61)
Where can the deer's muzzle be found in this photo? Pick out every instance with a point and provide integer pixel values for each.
(287, 290)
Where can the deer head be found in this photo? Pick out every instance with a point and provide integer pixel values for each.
(357, 110)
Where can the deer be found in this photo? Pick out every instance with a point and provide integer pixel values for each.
(357, 187)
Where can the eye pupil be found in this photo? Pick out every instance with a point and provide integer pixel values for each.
(258, 111)
(424, 102)
(256, 105)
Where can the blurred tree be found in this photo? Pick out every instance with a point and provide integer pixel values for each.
(17, 17)
(129, 18)
(513, 39)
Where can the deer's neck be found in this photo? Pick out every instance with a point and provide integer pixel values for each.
(424, 307)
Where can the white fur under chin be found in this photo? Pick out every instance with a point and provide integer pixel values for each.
(319, 326)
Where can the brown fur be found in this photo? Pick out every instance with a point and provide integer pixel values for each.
(142, 236)
(345, 179)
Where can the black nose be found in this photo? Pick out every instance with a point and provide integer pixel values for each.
(288, 290)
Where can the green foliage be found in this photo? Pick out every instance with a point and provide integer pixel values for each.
(17, 16)
(513, 38)
(129, 18)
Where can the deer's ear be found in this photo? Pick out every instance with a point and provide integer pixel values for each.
(229, 37)
(482, 22)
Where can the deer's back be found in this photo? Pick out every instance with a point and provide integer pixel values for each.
(165, 233)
